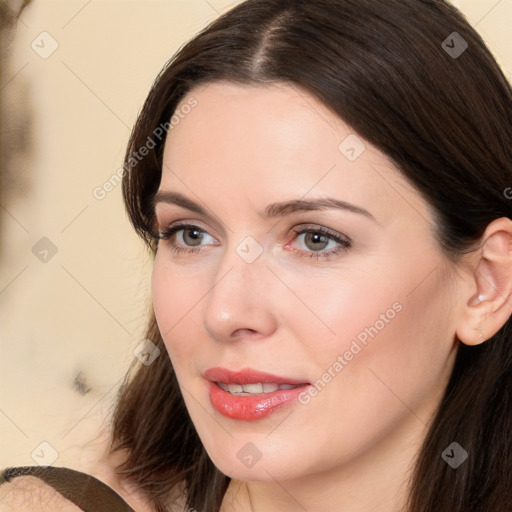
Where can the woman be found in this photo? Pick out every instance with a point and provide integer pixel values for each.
(325, 189)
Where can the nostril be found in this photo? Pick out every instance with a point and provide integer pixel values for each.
(240, 333)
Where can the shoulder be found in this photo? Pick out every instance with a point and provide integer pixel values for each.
(30, 494)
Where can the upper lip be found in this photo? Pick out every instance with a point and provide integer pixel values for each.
(247, 376)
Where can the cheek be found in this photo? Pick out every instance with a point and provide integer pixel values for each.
(397, 355)
(420, 347)
(161, 297)
(393, 369)
(173, 301)
(383, 325)
(353, 310)
(178, 300)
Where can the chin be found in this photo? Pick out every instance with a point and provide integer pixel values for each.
(260, 463)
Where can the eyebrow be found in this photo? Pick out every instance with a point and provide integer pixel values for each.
(272, 210)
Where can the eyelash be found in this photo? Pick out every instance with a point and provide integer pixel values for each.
(343, 241)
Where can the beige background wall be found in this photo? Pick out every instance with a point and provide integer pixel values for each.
(70, 319)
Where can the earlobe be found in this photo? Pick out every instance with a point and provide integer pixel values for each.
(490, 306)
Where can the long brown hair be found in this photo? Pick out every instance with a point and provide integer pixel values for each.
(398, 75)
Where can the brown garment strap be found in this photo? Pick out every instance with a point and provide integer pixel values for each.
(85, 491)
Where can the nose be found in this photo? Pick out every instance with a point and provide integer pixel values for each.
(241, 302)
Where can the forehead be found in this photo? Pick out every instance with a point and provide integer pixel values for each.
(277, 142)
(282, 115)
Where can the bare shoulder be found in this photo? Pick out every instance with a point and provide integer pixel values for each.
(31, 494)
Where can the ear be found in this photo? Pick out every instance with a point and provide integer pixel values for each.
(488, 303)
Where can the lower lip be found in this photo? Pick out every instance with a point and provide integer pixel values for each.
(251, 408)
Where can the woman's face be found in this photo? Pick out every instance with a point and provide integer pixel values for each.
(353, 302)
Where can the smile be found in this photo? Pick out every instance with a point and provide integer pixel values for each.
(249, 394)
(254, 389)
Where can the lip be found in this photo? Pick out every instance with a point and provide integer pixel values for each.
(250, 408)
(247, 376)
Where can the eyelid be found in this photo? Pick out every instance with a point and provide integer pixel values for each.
(342, 238)
(165, 211)
(183, 224)
(177, 226)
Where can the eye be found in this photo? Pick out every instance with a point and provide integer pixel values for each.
(191, 237)
(316, 240)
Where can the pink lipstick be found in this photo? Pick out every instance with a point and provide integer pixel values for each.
(250, 395)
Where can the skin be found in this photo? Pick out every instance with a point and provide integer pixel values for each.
(351, 447)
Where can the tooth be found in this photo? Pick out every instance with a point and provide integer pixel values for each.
(235, 388)
(253, 388)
